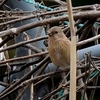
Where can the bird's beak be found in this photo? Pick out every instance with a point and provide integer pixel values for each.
(49, 33)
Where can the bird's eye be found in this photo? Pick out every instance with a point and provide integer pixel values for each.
(56, 32)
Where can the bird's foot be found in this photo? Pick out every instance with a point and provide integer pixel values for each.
(57, 69)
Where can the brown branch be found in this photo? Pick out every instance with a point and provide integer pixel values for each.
(59, 88)
(29, 81)
(23, 43)
(78, 87)
(92, 63)
(95, 81)
(5, 92)
(3, 84)
(35, 14)
(88, 40)
(33, 48)
(45, 37)
(19, 69)
(24, 57)
(20, 29)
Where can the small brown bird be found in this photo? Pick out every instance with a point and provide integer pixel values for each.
(59, 50)
(59, 47)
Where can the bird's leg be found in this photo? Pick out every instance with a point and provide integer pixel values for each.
(57, 68)
(63, 75)
(64, 81)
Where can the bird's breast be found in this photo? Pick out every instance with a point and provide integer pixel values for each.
(59, 54)
(61, 60)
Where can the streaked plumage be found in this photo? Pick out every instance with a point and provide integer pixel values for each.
(59, 47)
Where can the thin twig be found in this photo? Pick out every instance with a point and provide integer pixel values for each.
(25, 57)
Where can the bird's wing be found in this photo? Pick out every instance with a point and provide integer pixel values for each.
(65, 45)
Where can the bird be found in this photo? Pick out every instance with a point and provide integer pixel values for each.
(59, 47)
(59, 51)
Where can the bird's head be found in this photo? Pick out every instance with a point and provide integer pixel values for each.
(55, 32)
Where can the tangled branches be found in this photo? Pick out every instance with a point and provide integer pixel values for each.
(31, 62)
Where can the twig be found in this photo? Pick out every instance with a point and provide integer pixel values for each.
(80, 81)
(5, 92)
(6, 39)
(29, 81)
(88, 40)
(20, 29)
(24, 57)
(41, 80)
(3, 2)
(72, 95)
(93, 89)
(45, 37)
(19, 69)
(37, 14)
(92, 63)
(23, 43)
(78, 88)
(87, 29)
(3, 84)
(33, 48)
(22, 92)
(46, 97)
(82, 86)
(42, 69)
(19, 63)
